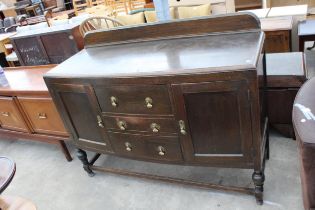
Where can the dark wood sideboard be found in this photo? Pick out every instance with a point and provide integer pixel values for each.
(160, 93)
(51, 45)
(27, 110)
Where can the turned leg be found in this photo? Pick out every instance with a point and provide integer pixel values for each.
(81, 154)
(65, 150)
(258, 179)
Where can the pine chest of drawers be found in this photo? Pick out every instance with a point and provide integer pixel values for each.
(158, 94)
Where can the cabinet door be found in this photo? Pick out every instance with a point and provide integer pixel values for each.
(79, 108)
(215, 122)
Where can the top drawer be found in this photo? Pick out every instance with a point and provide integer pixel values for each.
(140, 99)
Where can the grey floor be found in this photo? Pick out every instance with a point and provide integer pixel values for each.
(44, 176)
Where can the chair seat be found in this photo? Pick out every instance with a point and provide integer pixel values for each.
(15, 203)
(12, 57)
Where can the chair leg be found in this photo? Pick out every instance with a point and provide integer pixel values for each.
(11, 64)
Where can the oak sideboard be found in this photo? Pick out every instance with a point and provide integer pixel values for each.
(27, 110)
(183, 92)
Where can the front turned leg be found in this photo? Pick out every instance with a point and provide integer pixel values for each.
(258, 179)
(81, 154)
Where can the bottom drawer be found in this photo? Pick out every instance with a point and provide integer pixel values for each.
(146, 147)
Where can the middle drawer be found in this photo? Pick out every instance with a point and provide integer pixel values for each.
(141, 124)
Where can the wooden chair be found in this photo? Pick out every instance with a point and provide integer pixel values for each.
(119, 6)
(136, 4)
(95, 23)
(79, 6)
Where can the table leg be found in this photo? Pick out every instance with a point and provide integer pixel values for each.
(301, 44)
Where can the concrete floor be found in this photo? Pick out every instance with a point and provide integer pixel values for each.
(45, 177)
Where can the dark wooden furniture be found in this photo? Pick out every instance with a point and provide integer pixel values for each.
(38, 47)
(304, 124)
(278, 34)
(247, 4)
(160, 93)
(26, 108)
(306, 32)
(286, 73)
(7, 172)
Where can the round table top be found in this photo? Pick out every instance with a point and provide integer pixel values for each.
(7, 172)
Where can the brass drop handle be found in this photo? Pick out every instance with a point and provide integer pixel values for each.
(182, 128)
(114, 101)
(99, 121)
(42, 116)
(161, 150)
(122, 125)
(128, 146)
(155, 127)
(148, 102)
(5, 114)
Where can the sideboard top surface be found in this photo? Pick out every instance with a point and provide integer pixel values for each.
(186, 55)
(24, 80)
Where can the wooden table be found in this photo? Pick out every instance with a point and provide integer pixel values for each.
(306, 32)
(278, 33)
(26, 108)
(7, 171)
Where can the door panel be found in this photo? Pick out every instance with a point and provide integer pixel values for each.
(77, 102)
(216, 118)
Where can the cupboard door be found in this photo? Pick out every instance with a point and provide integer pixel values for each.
(214, 122)
(79, 108)
(10, 116)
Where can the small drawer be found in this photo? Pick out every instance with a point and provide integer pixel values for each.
(153, 148)
(140, 99)
(43, 116)
(155, 126)
(10, 116)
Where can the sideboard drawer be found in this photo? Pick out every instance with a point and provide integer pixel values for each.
(134, 99)
(43, 116)
(10, 116)
(154, 148)
(156, 126)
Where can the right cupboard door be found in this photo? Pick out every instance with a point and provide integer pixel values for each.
(214, 122)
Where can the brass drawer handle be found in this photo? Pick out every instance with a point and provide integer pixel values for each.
(148, 102)
(155, 127)
(114, 101)
(182, 128)
(128, 146)
(99, 121)
(122, 125)
(161, 150)
(5, 114)
(42, 116)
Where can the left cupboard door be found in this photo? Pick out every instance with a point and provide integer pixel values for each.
(79, 108)
(10, 115)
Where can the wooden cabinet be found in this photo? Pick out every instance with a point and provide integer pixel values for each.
(27, 110)
(190, 99)
(247, 4)
(38, 47)
(10, 116)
